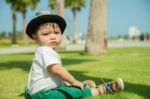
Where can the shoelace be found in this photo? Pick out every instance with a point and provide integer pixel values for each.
(107, 87)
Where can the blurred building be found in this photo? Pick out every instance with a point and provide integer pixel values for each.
(134, 32)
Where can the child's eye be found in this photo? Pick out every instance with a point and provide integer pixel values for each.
(45, 34)
(57, 32)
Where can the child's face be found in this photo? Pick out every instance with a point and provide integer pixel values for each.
(49, 35)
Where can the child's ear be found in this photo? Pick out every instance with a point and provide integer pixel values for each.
(34, 36)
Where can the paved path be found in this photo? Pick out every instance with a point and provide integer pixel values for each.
(17, 49)
(27, 49)
(128, 43)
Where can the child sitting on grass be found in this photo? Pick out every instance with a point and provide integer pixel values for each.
(48, 79)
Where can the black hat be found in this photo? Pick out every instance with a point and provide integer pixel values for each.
(44, 17)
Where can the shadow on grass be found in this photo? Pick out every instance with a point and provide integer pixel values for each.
(74, 60)
(25, 65)
(139, 89)
(68, 62)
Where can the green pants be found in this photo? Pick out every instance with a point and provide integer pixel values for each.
(61, 92)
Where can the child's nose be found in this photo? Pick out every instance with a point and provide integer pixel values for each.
(53, 36)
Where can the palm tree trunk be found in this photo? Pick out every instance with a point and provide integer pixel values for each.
(60, 11)
(60, 7)
(14, 28)
(74, 36)
(25, 38)
(96, 42)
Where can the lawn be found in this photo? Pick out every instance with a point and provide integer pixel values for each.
(131, 64)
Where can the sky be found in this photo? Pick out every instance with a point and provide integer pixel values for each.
(121, 15)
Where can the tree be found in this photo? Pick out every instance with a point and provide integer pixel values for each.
(22, 7)
(59, 6)
(96, 41)
(75, 5)
(14, 9)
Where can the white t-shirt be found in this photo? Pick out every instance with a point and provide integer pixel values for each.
(40, 78)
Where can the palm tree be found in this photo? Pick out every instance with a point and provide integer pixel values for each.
(59, 6)
(22, 7)
(96, 42)
(75, 5)
(14, 9)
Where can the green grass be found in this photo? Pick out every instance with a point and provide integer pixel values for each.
(131, 64)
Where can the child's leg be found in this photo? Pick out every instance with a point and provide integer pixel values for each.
(110, 87)
(98, 91)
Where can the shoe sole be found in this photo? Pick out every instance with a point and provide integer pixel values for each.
(121, 83)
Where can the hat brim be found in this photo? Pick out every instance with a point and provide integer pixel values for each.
(34, 23)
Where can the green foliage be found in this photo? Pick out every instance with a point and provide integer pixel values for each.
(8, 42)
(75, 4)
(20, 5)
(21, 42)
(4, 35)
(5, 42)
(132, 64)
(52, 4)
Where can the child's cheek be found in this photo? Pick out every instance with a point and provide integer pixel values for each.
(46, 40)
(43, 40)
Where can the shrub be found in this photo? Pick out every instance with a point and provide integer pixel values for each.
(5, 42)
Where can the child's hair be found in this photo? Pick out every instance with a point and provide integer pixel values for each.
(55, 26)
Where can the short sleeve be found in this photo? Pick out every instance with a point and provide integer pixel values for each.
(49, 57)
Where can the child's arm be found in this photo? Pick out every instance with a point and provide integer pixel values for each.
(63, 74)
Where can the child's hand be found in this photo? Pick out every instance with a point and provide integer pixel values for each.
(78, 84)
(68, 84)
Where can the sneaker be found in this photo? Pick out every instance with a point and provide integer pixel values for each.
(113, 86)
(90, 83)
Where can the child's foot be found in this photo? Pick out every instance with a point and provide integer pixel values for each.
(90, 83)
(111, 87)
